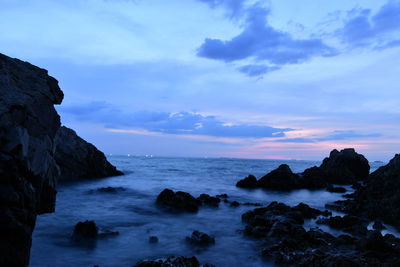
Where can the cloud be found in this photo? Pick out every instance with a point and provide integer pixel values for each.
(378, 30)
(338, 135)
(168, 123)
(261, 42)
(257, 70)
(235, 8)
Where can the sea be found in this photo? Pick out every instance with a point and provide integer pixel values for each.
(133, 213)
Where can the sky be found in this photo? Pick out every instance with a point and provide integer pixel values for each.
(277, 79)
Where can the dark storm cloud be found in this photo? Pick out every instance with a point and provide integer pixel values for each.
(168, 123)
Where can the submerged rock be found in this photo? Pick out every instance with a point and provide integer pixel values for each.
(208, 200)
(79, 159)
(179, 201)
(108, 189)
(248, 182)
(86, 229)
(336, 189)
(200, 239)
(153, 239)
(28, 170)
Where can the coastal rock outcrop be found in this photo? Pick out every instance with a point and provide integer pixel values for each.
(344, 167)
(380, 197)
(173, 261)
(285, 240)
(28, 170)
(178, 201)
(79, 159)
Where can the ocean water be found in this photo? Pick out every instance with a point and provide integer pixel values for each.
(135, 216)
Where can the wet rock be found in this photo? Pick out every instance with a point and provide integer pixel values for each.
(234, 204)
(200, 239)
(345, 167)
(249, 182)
(350, 224)
(179, 201)
(223, 196)
(153, 239)
(336, 189)
(79, 159)
(313, 178)
(285, 240)
(173, 261)
(28, 171)
(208, 200)
(379, 199)
(86, 229)
(108, 189)
(281, 178)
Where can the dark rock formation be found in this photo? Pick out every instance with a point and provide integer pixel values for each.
(208, 200)
(285, 240)
(345, 167)
(86, 229)
(313, 178)
(281, 178)
(200, 239)
(108, 189)
(153, 239)
(173, 261)
(380, 197)
(179, 201)
(248, 182)
(350, 224)
(28, 170)
(79, 159)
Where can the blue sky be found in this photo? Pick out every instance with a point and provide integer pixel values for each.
(219, 78)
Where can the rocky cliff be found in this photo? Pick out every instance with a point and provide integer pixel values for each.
(79, 159)
(30, 165)
(28, 170)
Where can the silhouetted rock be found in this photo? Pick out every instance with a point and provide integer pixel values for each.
(79, 159)
(345, 167)
(200, 239)
(285, 240)
(108, 189)
(86, 229)
(222, 196)
(379, 199)
(281, 178)
(249, 182)
(313, 178)
(378, 225)
(153, 239)
(179, 201)
(234, 204)
(351, 224)
(28, 171)
(208, 200)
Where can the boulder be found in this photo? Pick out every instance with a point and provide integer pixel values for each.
(178, 201)
(208, 200)
(313, 178)
(28, 170)
(379, 199)
(200, 239)
(248, 182)
(345, 167)
(281, 178)
(79, 159)
(86, 229)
